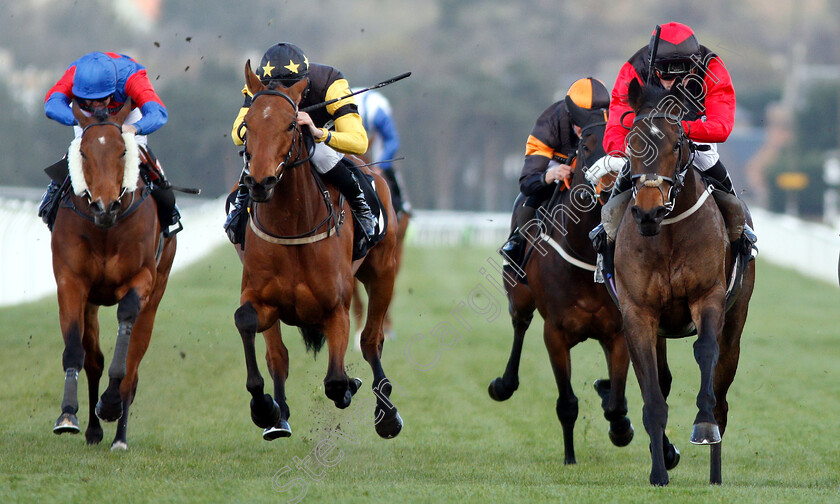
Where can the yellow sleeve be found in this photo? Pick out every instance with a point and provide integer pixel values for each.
(237, 134)
(349, 136)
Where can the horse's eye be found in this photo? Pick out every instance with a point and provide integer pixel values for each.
(123, 153)
(83, 155)
(291, 126)
(676, 147)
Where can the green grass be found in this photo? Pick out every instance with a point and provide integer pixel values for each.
(191, 438)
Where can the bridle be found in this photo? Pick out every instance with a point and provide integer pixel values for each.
(332, 220)
(246, 156)
(655, 180)
(132, 207)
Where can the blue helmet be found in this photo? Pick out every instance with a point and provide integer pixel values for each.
(95, 78)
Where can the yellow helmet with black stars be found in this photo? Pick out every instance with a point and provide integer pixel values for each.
(283, 62)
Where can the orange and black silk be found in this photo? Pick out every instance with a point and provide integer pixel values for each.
(551, 138)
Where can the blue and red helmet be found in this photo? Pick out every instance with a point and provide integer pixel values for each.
(95, 77)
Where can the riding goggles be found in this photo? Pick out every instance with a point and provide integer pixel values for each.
(668, 70)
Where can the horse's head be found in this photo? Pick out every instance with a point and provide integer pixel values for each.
(104, 163)
(659, 154)
(272, 135)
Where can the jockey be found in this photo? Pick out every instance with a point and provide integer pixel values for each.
(377, 118)
(552, 142)
(336, 128)
(101, 83)
(709, 114)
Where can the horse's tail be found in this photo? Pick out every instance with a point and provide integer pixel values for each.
(313, 338)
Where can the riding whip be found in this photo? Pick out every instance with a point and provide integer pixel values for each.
(377, 86)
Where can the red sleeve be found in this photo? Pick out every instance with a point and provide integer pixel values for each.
(720, 107)
(616, 133)
(64, 85)
(140, 90)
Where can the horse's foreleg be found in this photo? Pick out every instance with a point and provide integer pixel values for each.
(521, 312)
(613, 399)
(567, 403)
(641, 335)
(94, 365)
(277, 358)
(110, 405)
(264, 410)
(71, 315)
(669, 451)
(708, 317)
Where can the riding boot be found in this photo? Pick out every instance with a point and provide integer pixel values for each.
(235, 207)
(161, 191)
(719, 177)
(514, 248)
(397, 198)
(49, 203)
(343, 179)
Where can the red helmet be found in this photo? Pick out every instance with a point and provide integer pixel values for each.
(677, 45)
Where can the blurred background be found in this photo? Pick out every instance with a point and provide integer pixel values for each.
(482, 73)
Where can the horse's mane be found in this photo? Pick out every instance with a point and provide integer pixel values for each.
(652, 96)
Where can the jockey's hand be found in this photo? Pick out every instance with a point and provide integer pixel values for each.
(304, 119)
(557, 172)
(129, 128)
(602, 167)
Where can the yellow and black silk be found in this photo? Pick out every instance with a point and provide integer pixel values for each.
(342, 117)
(551, 138)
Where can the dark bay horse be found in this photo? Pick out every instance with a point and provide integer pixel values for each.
(298, 267)
(671, 277)
(574, 307)
(107, 249)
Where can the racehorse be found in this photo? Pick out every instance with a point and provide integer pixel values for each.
(671, 276)
(107, 249)
(559, 272)
(298, 267)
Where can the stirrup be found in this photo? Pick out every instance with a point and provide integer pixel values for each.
(598, 236)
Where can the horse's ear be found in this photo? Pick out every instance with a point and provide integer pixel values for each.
(635, 94)
(297, 89)
(81, 118)
(120, 116)
(252, 82)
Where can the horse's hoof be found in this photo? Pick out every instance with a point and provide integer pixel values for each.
(389, 426)
(499, 391)
(108, 414)
(570, 461)
(705, 433)
(603, 388)
(659, 480)
(67, 423)
(266, 414)
(93, 436)
(280, 430)
(621, 432)
(119, 446)
(672, 457)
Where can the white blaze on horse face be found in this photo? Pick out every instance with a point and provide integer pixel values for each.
(655, 131)
(266, 112)
(102, 140)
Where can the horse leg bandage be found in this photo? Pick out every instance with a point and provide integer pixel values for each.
(70, 403)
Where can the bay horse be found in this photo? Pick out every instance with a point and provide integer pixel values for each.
(574, 308)
(107, 249)
(298, 267)
(671, 276)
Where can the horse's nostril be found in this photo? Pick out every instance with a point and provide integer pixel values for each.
(249, 180)
(114, 207)
(270, 181)
(96, 207)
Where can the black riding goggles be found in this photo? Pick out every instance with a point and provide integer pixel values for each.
(91, 105)
(668, 70)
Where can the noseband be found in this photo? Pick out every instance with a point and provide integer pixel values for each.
(656, 180)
